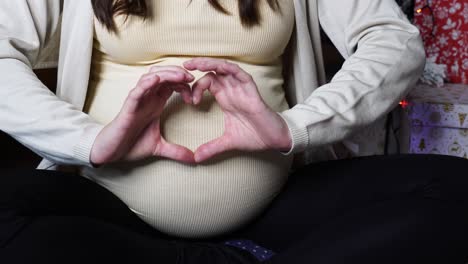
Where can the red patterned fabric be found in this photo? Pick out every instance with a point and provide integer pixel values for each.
(444, 27)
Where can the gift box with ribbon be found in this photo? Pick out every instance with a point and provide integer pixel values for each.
(438, 119)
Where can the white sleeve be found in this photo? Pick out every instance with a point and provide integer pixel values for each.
(29, 112)
(384, 58)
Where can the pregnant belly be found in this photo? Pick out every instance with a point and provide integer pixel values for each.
(197, 201)
(189, 200)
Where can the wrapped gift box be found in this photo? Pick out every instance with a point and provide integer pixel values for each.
(444, 28)
(438, 120)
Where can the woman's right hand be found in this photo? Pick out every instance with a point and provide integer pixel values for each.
(135, 133)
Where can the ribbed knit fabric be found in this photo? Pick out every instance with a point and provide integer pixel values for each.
(219, 195)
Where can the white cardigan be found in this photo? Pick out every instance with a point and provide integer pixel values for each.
(384, 58)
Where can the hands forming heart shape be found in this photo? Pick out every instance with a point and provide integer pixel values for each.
(250, 125)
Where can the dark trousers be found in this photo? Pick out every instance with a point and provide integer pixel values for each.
(395, 209)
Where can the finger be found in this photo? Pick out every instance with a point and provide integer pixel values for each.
(211, 149)
(174, 68)
(144, 84)
(237, 72)
(205, 65)
(172, 76)
(152, 81)
(164, 92)
(175, 152)
(204, 83)
(220, 67)
(185, 92)
(183, 89)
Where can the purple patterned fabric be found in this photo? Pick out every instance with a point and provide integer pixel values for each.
(257, 251)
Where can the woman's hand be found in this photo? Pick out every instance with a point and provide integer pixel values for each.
(250, 125)
(135, 132)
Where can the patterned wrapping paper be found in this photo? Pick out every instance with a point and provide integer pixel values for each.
(444, 28)
(439, 120)
(437, 140)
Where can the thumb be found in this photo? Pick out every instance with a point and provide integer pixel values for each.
(174, 152)
(211, 149)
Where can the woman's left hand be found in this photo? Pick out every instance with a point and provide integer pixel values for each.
(249, 124)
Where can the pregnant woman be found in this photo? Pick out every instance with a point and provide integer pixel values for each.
(218, 195)
(172, 135)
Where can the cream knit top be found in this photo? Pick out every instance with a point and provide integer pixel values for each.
(231, 189)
